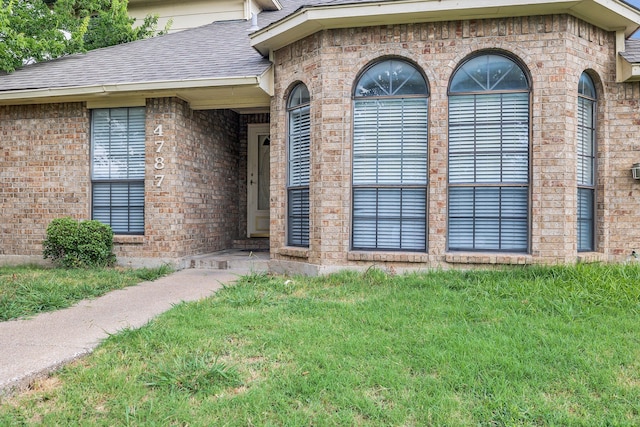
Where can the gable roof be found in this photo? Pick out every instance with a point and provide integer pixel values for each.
(213, 66)
(182, 64)
(187, 55)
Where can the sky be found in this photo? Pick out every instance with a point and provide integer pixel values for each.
(635, 3)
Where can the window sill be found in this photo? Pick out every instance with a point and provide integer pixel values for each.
(485, 258)
(294, 252)
(388, 256)
(124, 239)
(589, 257)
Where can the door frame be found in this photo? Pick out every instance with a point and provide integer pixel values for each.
(255, 217)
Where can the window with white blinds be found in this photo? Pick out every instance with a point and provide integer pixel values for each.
(390, 130)
(586, 163)
(299, 156)
(489, 156)
(117, 169)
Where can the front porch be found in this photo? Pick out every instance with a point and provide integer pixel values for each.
(206, 187)
(255, 261)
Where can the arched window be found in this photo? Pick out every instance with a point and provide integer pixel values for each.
(489, 156)
(390, 158)
(298, 159)
(586, 163)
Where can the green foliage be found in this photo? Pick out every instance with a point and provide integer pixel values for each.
(192, 373)
(151, 274)
(73, 244)
(532, 346)
(31, 31)
(28, 290)
(112, 25)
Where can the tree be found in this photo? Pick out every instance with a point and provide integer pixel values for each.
(109, 23)
(32, 30)
(29, 31)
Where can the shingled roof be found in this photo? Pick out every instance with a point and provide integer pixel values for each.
(212, 51)
(632, 51)
(221, 50)
(218, 50)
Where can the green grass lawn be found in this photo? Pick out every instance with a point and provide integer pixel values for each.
(28, 290)
(520, 347)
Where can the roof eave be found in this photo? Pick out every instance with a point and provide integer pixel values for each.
(611, 15)
(627, 71)
(269, 4)
(226, 92)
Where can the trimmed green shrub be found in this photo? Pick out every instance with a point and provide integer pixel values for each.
(73, 244)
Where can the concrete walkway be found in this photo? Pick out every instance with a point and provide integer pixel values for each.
(34, 347)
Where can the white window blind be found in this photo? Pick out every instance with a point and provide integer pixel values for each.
(586, 162)
(390, 141)
(121, 205)
(488, 218)
(585, 219)
(117, 140)
(489, 156)
(299, 160)
(489, 138)
(299, 146)
(298, 213)
(390, 173)
(389, 218)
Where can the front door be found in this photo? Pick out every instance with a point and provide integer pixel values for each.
(258, 181)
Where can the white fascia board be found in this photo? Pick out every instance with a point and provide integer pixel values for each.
(269, 4)
(635, 72)
(124, 88)
(608, 14)
(611, 15)
(627, 71)
(267, 82)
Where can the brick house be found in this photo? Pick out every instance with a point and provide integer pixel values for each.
(341, 133)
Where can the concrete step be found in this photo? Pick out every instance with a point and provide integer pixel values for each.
(253, 262)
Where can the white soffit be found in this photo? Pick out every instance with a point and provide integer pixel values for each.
(245, 91)
(269, 4)
(627, 71)
(611, 15)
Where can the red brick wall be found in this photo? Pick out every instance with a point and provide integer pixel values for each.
(619, 203)
(195, 209)
(555, 50)
(44, 173)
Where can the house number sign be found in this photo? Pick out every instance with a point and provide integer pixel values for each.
(158, 164)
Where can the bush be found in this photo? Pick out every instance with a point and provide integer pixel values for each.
(73, 244)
